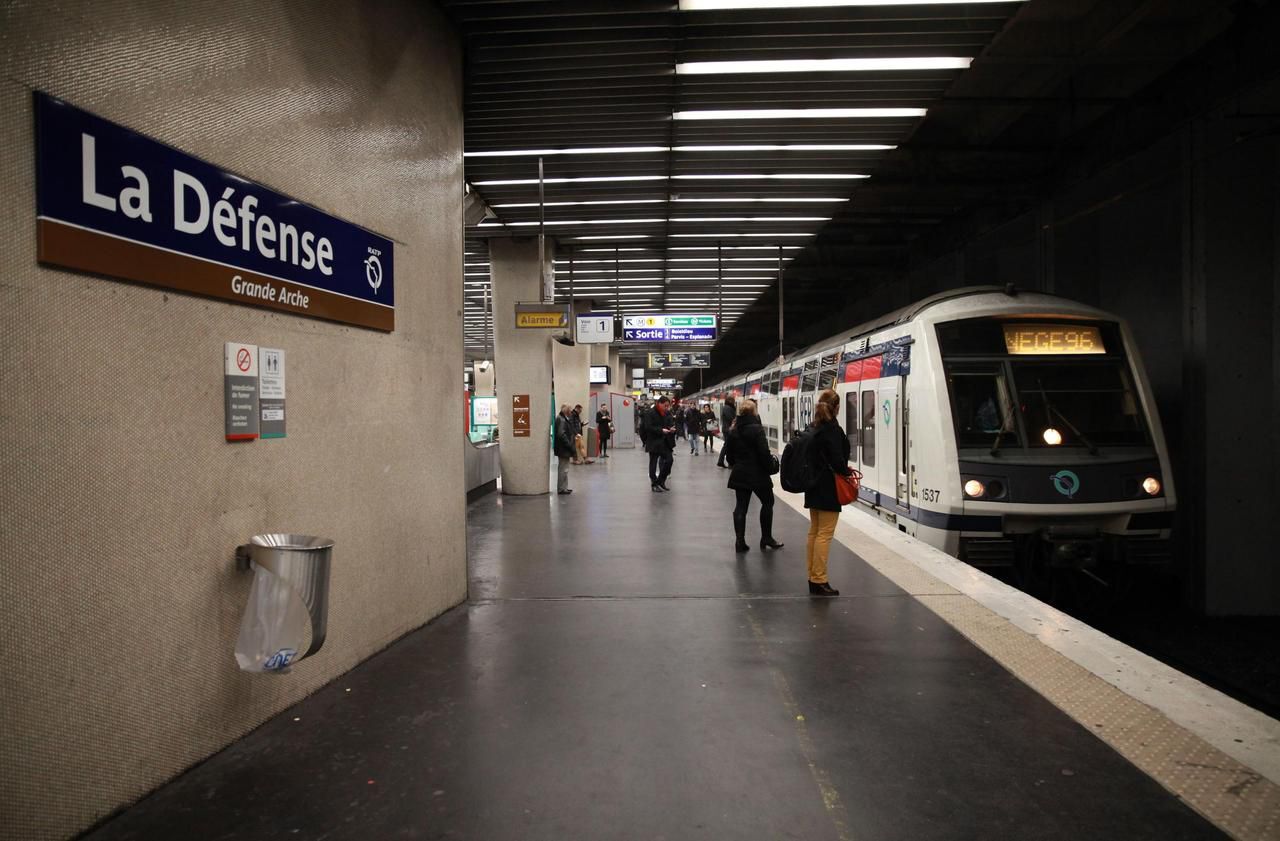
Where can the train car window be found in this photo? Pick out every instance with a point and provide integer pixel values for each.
(827, 379)
(851, 420)
(1079, 403)
(982, 405)
(809, 382)
(869, 428)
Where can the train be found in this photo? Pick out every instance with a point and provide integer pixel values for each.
(1016, 431)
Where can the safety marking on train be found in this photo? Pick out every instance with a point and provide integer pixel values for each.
(1232, 795)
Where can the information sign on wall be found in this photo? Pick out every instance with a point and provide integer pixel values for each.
(520, 416)
(668, 328)
(240, 391)
(116, 203)
(271, 392)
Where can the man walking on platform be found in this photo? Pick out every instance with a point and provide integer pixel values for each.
(728, 414)
(659, 443)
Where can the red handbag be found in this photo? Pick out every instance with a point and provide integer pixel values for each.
(847, 487)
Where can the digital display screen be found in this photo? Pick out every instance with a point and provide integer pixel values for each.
(1052, 339)
(599, 375)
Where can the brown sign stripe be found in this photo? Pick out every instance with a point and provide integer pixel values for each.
(88, 251)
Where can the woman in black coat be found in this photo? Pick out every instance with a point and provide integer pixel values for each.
(831, 451)
(747, 452)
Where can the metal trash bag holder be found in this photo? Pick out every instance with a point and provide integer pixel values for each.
(302, 561)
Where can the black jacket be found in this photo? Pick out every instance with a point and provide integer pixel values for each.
(604, 427)
(693, 423)
(831, 453)
(727, 414)
(655, 440)
(747, 452)
(564, 438)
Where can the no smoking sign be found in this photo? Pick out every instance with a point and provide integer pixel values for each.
(240, 391)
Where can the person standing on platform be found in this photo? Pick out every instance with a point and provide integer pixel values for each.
(830, 451)
(747, 453)
(728, 413)
(604, 430)
(693, 427)
(579, 436)
(708, 428)
(564, 451)
(660, 443)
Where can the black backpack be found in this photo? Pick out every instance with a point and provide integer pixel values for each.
(799, 471)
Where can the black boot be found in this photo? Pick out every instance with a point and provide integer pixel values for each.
(740, 529)
(823, 589)
(766, 529)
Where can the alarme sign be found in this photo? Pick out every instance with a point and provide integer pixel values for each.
(113, 202)
(669, 328)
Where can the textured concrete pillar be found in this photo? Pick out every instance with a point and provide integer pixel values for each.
(522, 357)
(482, 374)
(570, 368)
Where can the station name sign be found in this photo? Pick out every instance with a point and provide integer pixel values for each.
(113, 202)
(669, 328)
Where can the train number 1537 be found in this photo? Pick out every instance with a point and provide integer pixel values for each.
(929, 495)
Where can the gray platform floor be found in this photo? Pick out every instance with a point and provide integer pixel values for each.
(620, 673)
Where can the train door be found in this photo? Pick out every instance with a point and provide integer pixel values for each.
(893, 418)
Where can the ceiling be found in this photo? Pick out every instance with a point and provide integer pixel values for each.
(695, 228)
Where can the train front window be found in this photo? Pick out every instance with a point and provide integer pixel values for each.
(982, 405)
(1076, 404)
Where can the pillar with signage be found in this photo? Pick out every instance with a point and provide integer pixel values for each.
(522, 340)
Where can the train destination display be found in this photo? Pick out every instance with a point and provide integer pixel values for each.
(680, 360)
(1052, 339)
(669, 328)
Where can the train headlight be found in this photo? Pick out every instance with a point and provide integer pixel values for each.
(1151, 485)
(975, 489)
(1052, 437)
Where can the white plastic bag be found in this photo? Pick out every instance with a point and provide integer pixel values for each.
(275, 625)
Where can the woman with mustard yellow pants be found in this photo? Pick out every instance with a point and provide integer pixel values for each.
(831, 453)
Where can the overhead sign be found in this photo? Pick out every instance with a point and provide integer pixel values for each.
(665, 384)
(595, 328)
(542, 316)
(520, 416)
(113, 202)
(669, 328)
(680, 360)
(240, 391)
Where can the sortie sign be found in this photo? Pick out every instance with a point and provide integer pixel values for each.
(113, 202)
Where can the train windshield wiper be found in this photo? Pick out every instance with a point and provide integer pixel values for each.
(1006, 412)
(1051, 410)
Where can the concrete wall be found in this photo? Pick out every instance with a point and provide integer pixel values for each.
(570, 376)
(122, 507)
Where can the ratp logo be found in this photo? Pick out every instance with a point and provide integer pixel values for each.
(1066, 483)
(373, 270)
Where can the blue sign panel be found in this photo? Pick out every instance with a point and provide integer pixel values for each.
(668, 334)
(113, 202)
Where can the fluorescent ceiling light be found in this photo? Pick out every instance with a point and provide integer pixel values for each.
(772, 176)
(723, 259)
(591, 179)
(566, 262)
(793, 114)
(736, 199)
(751, 219)
(576, 222)
(790, 147)
(579, 150)
(821, 65)
(614, 236)
(581, 203)
(715, 235)
(610, 250)
(735, 247)
(702, 5)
